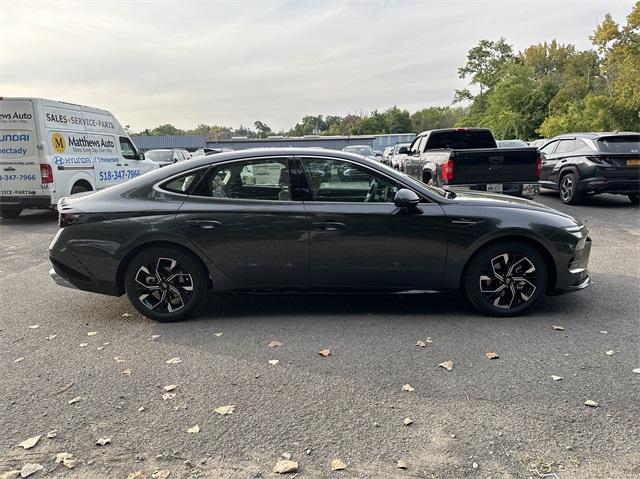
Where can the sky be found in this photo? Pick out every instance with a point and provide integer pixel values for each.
(234, 62)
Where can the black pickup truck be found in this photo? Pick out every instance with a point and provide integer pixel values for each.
(470, 158)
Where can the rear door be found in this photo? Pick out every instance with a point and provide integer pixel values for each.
(553, 162)
(547, 160)
(19, 156)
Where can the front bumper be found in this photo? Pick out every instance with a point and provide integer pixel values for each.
(59, 280)
(596, 185)
(22, 202)
(575, 276)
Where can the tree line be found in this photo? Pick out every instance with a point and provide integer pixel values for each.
(545, 90)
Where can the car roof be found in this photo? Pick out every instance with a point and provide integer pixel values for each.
(593, 135)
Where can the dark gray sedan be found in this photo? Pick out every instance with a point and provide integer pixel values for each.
(286, 220)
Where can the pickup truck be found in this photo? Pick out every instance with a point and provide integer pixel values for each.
(469, 158)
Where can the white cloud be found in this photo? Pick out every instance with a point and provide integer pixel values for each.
(189, 62)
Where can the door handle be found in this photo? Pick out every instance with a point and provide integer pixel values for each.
(327, 225)
(204, 224)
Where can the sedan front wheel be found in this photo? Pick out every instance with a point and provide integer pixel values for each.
(506, 279)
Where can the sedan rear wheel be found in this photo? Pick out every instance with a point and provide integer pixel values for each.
(506, 279)
(165, 284)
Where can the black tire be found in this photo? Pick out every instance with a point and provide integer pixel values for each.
(10, 212)
(568, 188)
(79, 188)
(158, 296)
(489, 281)
(634, 198)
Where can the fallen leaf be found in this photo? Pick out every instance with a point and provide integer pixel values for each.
(126, 315)
(401, 464)
(337, 465)
(75, 400)
(273, 362)
(160, 474)
(34, 326)
(13, 474)
(167, 396)
(274, 344)
(29, 443)
(286, 455)
(141, 408)
(19, 360)
(127, 372)
(52, 434)
(557, 328)
(83, 345)
(103, 441)
(30, 468)
(611, 352)
(92, 333)
(173, 361)
(224, 410)
(51, 336)
(556, 378)
(407, 421)
(604, 332)
(408, 388)
(194, 430)
(153, 337)
(66, 459)
(491, 355)
(218, 334)
(137, 475)
(636, 370)
(474, 465)
(284, 466)
(591, 403)
(106, 344)
(119, 359)
(324, 352)
(448, 365)
(100, 348)
(170, 387)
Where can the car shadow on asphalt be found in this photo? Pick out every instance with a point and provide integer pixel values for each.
(602, 201)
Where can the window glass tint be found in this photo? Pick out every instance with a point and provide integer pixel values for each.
(128, 150)
(260, 179)
(582, 146)
(565, 146)
(341, 181)
(549, 148)
(620, 144)
(461, 139)
(183, 184)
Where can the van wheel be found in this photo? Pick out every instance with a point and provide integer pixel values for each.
(79, 188)
(165, 284)
(506, 279)
(10, 212)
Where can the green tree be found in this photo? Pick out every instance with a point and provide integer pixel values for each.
(167, 129)
(263, 129)
(436, 117)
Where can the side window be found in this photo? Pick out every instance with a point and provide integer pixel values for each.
(565, 146)
(415, 145)
(184, 183)
(342, 181)
(127, 148)
(258, 179)
(581, 146)
(549, 148)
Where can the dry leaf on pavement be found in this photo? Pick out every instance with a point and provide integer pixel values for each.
(83, 345)
(284, 466)
(224, 410)
(34, 326)
(167, 396)
(274, 344)
(557, 328)
(153, 338)
(92, 333)
(12, 474)
(161, 474)
(421, 344)
(118, 359)
(408, 388)
(170, 387)
(491, 355)
(103, 441)
(141, 408)
(217, 335)
(127, 372)
(611, 352)
(273, 362)
(448, 365)
(324, 352)
(194, 430)
(29, 443)
(66, 459)
(19, 360)
(75, 400)
(556, 378)
(53, 433)
(30, 468)
(591, 403)
(137, 475)
(173, 361)
(337, 465)
(636, 370)
(286, 455)
(401, 464)
(51, 336)
(407, 421)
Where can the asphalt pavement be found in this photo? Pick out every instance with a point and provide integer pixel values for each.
(89, 367)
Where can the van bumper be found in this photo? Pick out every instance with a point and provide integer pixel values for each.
(23, 202)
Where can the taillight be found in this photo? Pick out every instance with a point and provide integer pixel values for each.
(539, 166)
(446, 170)
(46, 174)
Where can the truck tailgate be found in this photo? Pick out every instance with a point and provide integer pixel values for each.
(494, 165)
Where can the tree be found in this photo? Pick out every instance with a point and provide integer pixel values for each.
(436, 117)
(263, 129)
(166, 129)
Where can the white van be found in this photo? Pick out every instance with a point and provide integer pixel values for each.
(50, 149)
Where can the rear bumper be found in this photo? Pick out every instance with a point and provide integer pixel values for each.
(528, 190)
(71, 277)
(597, 185)
(25, 202)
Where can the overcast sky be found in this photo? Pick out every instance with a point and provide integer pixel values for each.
(230, 63)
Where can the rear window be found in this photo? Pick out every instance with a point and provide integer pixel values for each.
(461, 139)
(619, 144)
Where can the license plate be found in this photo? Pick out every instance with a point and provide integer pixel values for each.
(494, 188)
(633, 162)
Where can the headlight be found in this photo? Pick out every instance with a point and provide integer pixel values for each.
(580, 232)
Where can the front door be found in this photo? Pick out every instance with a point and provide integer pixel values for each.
(359, 238)
(243, 219)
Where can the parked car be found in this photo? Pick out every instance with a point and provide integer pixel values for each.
(51, 149)
(270, 219)
(512, 144)
(587, 164)
(167, 156)
(378, 155)
(364, 150)
(538, 143)
(208, 151)
(400, 151)
(470, 158)
(388, 151)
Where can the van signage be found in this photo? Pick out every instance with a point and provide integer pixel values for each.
(71, 143)
(75, 120)
(14, 137)
(16, 116)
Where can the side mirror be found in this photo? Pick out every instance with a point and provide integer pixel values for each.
(403, 150)
(141, 155)
(406, 198)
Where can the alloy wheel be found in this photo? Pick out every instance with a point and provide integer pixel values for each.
(508, 281)
(566, 188)
(164, 285)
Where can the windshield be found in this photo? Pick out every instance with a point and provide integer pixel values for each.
(619, 144)
(511, 144)
(360, 150)
(159, 155)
